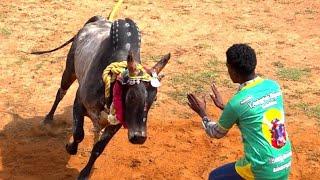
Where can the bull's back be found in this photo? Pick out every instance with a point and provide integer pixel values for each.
(88, 44)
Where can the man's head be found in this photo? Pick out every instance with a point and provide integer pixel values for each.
(241, 62)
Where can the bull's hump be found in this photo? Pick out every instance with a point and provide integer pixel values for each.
(125, 35)
(99, 29)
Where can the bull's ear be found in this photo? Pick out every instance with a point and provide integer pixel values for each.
(131, 64)
(162, 63)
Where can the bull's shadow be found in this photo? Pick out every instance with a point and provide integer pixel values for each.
(31, 151)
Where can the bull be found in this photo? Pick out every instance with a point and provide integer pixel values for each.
(99, 43)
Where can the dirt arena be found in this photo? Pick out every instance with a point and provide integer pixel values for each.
(284, 33)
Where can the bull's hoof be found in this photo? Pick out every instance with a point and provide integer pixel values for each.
(47, 120)
(84, 174)
(72, 148)
(82, 178)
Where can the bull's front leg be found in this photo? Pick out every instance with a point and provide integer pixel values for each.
(98, 148)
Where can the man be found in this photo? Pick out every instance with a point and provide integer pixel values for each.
(257, 109)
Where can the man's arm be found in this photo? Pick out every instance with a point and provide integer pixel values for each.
(213, 129)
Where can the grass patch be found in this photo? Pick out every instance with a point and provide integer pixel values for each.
(203, 46)
(213, 62)
(310, 11)
(277, 64)
(293, 74)
(38, 66)
(218, 1)
(198, 80)
(226, 82)
(5, 31)
(307, 11)
(312, 111)
(190, 82)
(156, 58)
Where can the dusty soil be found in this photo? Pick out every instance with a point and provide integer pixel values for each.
(285, 34)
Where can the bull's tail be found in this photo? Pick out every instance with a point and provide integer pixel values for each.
(49, 51)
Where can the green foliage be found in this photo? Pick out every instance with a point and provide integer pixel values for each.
(5, 31)
(293, 74)
(190, 82)
(278, 64)
(312, 111)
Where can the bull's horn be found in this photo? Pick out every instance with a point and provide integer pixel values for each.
(131, 64)
(162, 63)
(160, 76)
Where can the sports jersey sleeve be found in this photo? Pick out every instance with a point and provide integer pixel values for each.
(228, 118)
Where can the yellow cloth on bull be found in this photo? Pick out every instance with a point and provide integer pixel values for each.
(111, 72)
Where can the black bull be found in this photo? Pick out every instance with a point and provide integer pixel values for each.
(98, 44)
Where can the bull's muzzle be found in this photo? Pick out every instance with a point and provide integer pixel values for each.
(138, 137)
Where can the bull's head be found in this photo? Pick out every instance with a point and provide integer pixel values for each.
(138, 98)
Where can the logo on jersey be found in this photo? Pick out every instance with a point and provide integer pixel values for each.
(273, 128)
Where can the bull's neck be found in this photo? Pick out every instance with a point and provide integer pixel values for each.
(121, 55)
(117, 55)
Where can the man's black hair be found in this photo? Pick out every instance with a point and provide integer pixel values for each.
(242, 59)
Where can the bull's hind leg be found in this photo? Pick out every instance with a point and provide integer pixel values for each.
(67, 79)
(79, 112)
(98, 148)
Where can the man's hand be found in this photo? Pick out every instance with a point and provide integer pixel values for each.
(216, 97)
(198, 106)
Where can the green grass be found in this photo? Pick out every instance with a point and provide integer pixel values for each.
(5, 31)
(293, 74)
(213, 62)
(155, 58)
(278, 64)
(198, 81)
(310, 11)
(218, 1)
(315, 111)
(307, 11)
(38, 66)
(204, 46)
(312, 111)
(22, 60)
(190, 82)
(226, 82)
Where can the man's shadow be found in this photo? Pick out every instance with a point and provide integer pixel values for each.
(33, 151)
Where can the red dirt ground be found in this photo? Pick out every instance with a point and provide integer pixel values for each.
(196, 32)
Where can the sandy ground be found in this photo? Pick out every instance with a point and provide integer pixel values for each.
(285, 34)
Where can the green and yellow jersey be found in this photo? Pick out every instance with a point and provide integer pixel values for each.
(257, 109)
